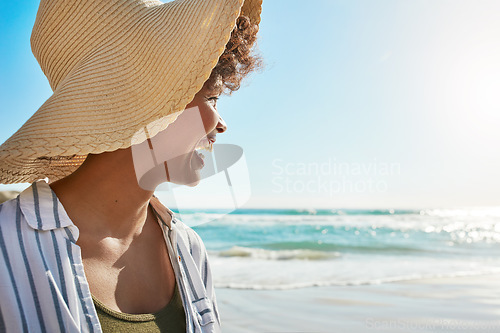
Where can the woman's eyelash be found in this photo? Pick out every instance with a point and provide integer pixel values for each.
(213, 100)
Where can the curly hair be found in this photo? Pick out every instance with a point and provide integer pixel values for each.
(238, 59)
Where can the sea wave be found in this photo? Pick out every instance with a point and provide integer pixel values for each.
(259, 251)
(296, 254)
(360, 282)
(341, 248)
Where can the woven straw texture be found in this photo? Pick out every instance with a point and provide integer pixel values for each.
(115, 67)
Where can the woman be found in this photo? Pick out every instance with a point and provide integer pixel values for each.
(93, 250)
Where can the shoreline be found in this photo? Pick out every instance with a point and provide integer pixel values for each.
(463, 304)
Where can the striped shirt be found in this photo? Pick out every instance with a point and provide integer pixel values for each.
(43, 287)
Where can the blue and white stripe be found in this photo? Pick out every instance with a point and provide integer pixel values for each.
(43, 287)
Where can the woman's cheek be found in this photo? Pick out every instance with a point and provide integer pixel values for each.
(210, 118)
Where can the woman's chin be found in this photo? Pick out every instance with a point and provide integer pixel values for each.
(190, 178)
(181, 172)
(191, 175)
(196, 162)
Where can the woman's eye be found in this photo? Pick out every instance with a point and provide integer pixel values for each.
(213, 100)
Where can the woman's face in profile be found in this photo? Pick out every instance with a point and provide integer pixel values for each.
(176, 160)
(201, 110)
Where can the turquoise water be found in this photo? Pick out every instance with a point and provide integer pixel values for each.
(281, 249)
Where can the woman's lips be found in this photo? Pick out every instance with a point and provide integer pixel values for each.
(206, 143)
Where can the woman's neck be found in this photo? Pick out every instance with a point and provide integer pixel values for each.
(103, 197)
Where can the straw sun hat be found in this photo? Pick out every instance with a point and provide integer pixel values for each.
(120, 71)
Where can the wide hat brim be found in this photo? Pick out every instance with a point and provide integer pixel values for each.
(121, 71)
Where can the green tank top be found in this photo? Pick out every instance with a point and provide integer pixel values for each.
(169, 319)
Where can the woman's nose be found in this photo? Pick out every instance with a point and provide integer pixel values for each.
(221, 125)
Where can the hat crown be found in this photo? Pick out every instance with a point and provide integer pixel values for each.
(66, 31)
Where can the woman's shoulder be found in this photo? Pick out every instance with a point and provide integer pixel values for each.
(8, 212)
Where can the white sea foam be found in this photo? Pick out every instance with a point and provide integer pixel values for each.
(298, 254)
(247, 272)
(402, 278)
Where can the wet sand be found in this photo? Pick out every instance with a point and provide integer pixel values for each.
(460, 304)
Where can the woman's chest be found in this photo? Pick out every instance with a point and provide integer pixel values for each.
(134, 280)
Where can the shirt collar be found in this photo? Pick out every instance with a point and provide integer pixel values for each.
(42, 209)
(163, 213)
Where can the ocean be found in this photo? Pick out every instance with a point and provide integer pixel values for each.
(287, 249)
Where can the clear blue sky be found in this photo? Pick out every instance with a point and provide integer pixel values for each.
(363, 103)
